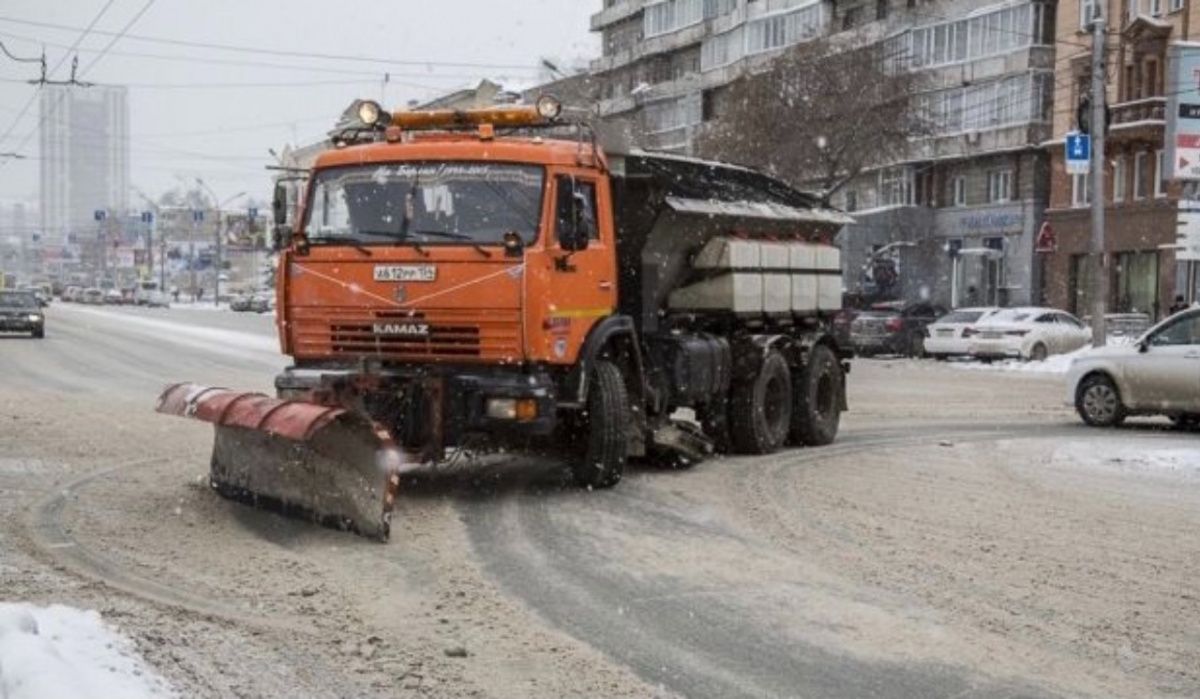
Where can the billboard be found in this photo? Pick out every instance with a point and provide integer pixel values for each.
(1182, 142)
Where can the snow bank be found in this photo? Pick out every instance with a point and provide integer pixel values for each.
(1054, 364)
(186, 333)
(60, 652)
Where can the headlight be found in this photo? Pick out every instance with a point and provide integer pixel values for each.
(34, 317)
(548, 107)
(519, 409)
(369, 112)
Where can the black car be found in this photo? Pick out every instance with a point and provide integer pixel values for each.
(21, 312)
(893, 327)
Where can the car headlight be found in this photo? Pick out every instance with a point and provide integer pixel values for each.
(521, 409)
(369, 112)
(548, 107)
(35, 317)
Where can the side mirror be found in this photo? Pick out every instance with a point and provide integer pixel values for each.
(282, 237)
(1143, 345)
(279, 204)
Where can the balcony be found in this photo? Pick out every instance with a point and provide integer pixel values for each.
(616, 13)
(1138, 119)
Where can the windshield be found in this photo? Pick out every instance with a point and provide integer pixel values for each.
(425, 203)
(17, 299)
(961, 317)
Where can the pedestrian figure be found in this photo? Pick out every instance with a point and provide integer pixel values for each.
(1179, 305)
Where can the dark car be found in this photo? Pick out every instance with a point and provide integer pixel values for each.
(21, 312)
(893, 327)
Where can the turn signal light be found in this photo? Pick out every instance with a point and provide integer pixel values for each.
(527, 409)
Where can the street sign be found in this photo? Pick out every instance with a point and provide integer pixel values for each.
(253, 213)
(1079, 153)
(99, 214)
(1187, 234)
(147, 217)
(1182, 142)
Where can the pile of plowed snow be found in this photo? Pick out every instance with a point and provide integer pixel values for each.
(61, 652)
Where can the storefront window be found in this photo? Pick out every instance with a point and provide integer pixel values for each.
(1136, 289)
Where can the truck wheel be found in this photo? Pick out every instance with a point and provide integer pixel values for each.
(817, 410)
(760, 413)
(602, 461)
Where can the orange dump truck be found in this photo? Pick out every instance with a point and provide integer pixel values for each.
(464, 280)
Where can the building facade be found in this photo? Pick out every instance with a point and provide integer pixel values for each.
(84, 151)
(1140, 199)
(954, 222)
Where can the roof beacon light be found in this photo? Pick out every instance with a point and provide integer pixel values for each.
(548, 107)
(369, 112)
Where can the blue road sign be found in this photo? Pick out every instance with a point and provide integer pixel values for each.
(1079, 152)
(147, 217)
(100, 214)
(253, 213)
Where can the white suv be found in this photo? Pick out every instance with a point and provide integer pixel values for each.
(1157, 375)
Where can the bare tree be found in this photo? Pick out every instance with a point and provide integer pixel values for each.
(818, 115)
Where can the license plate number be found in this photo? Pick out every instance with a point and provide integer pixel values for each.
(405, 273)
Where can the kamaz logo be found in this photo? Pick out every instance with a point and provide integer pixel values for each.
(403, 329)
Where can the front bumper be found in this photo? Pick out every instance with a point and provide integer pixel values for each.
(13, 324)
(884, 344)
(995, 349)
(443, 403)
(947, 346)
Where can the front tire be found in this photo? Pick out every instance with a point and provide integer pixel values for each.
(602, 461)
(1038, 353)
(1098, 402)
(761, 411)
(817, 408)
(39, 333)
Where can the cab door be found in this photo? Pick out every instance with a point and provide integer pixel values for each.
(575, 282)
(1165, 374)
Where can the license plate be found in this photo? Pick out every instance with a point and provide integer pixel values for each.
(991, 336)
(945, 333)
(405, 273)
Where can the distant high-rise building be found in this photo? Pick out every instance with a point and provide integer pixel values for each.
(84, 151)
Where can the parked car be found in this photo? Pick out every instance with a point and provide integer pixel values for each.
(1158, 374)
(893, 327)
(148, 294)
(113, 297)
(20, 312)
(949, 336)
(92, 296)
(71, 294)
(1027, 333)
(252, 303)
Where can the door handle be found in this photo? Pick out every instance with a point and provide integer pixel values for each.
(606, 285)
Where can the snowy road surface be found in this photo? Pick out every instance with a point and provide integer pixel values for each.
(965, 536)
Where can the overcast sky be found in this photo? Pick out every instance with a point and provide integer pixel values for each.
(213, 113)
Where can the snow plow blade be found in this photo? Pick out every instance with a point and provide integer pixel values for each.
(307, 460)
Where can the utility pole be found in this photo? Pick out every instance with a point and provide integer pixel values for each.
(1098, 126)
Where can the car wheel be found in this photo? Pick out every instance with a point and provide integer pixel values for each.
(1038, 353)
(916, 346)
(941, 357)
(39, 333)
(1098, 402)
(760, 413)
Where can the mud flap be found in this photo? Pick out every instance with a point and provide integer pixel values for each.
(306, 460)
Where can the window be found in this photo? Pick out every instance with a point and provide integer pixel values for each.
(999, 186)
(959, 187)
(1176, 5)
(896, 187)
(577, 202)
(1185, 331)
(1081, 190)
(1156, 7)
(1119, 179)
(1160, 169)
(1089, 10)
(851, 200)
(1141, 177)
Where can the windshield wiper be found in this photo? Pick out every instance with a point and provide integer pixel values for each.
(457, 236)
(352, 242)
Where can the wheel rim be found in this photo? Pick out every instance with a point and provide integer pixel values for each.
(1100, 402)
(825, 396)
(773, 402)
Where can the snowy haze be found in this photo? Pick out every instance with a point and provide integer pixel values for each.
(190, 119)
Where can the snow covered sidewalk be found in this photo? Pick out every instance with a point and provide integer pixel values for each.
(60, 652)
(1055, 364)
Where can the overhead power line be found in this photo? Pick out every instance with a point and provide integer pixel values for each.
(276, 52)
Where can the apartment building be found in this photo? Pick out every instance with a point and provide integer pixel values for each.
(1140, 199)
(954, 221)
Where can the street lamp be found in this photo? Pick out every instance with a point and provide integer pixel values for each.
(218, 204)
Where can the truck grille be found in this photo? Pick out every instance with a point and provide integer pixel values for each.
(452, 334)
